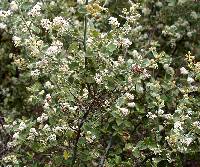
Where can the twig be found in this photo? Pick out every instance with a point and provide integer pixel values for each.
(85, 36)
(103, 158)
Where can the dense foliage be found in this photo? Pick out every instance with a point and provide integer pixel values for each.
(99, 83)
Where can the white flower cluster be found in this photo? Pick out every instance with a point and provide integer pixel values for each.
(129, 96)
(183, 71)
(22, 126)
(32, 134)
(160, 112)
(90, 137)
(46, 128)
(60, 23)
(10, 158)
(190, 80)
(124, 42)
(42, 118)
(196, 124)
(47, 101)
(146, 11)
(35, 11)
(46, 24)
(35, 73)
(55, 48)
(58, 129)
(3, 26)
(178, 126)
(16, 40)
(81, 2)
(16, 135)
(186, 140)
(124, 111)
(4, 14)
(131, 104)
(52, 137)
(14, 6)
(194, 15)
(113, 22)
(98, 78)
(151, 115)
(48, 85)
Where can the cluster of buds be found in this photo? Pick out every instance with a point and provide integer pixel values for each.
(94, 9)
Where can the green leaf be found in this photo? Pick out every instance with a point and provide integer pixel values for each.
(82, 10)
(111, 47)
(119, 121)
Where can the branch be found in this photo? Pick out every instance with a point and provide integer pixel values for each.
(103, 158)
(85, 36)
(93, 106)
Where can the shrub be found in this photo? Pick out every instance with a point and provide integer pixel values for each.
(98, 83)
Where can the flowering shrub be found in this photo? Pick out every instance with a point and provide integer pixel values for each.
(99, 84)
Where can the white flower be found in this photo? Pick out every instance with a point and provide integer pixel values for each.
(194, 15)
(189, 34)
(35, 11)
(98, 78)
(16, 135)
(14, 123)
(60, 23)
(3, 26)
(4, 13)
(159, 4)
(52, 137)
(52, 50)
(36, 72)
(58, 129)
(151, 116)
(48, 97)
(46, 105)
(190, 80)
(196, 124)
(168, 116)
(125, 42)
(160, 112)
(135, 53)
(16, 40)
(49, 85)
(183, 71)
(178, 125)
(33, 131)
(81, 2)
(43, 118)
(13, 6)
(31, 137)
(22, 126)
(113, 21)
(55, 48)
(12, 144)
(146, 11)
(124, 111)
(186, 140)
(132, 104)
(41, 92)
(46, 128)
(121, 60)
(129, 96)
(46, 24)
